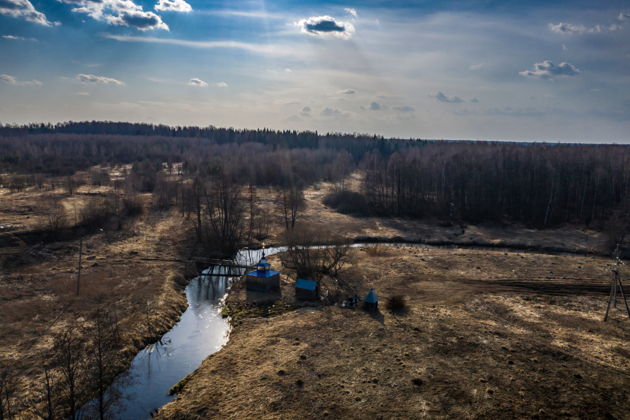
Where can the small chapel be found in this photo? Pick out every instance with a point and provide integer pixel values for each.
(263, 279)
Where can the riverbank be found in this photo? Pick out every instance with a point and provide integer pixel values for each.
(486, 334)
(128, 273)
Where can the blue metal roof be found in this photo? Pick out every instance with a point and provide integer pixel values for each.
(371, 297)
(306, 284)
(263, 273)
(263, 263)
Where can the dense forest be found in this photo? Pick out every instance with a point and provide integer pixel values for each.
(537, 184)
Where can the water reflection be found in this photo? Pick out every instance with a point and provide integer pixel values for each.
(200, 332)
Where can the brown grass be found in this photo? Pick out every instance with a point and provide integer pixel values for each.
(488, 334)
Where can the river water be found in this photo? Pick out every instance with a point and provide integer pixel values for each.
(200, 332)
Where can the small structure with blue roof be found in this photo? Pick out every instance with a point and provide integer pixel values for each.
(263, 279)
(306, 289)
(371, 301)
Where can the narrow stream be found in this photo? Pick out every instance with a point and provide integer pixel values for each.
(200, 332)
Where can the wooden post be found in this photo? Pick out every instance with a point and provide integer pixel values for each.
(79, 270)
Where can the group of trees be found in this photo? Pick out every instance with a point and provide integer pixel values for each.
(538, 185)
(80, 366)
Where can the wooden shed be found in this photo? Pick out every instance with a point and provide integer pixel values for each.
(306, 289)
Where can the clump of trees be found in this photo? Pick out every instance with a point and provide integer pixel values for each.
(81, 366)
(538, 185)
(309, 258)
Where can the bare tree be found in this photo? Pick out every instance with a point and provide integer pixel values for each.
(8, 385)
(103, 360)
(55, 216)
(223, 225)
(69, 355)
(291, 198)
(313, 254)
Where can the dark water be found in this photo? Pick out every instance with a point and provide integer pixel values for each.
(200, 332)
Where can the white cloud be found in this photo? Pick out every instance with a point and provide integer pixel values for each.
(572, 29)
(23, 9)
(405, 108)
(173, 6)
(352, 12)
(17, 38)
(347, 92)
(567, 28)
(448, 99)
(330, 112)
(623, 16)
(221, 85)
(118, 13)
(325, 27)
(475, 67)
(270, 49)
(375, 106)
(197, 82)
(101, 80)
(547, 70)
(13, 81)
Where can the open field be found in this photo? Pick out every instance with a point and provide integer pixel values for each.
(487, 335)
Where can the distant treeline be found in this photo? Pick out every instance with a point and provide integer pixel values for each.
(536, 184)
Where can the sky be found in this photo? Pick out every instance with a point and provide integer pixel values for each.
(528, 70)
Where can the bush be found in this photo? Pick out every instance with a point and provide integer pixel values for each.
(132, 206)
(347, 202)
(397, 304)
(377, 250)
(95, 214)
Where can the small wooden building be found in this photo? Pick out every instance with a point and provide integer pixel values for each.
(371, 301)
(306, 289)
(263, 279)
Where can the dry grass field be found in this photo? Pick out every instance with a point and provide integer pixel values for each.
(487, 334)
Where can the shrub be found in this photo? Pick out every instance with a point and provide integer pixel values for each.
(347, 202)
(397, 304)
(132, 206)
(95, 214)
(377, 250)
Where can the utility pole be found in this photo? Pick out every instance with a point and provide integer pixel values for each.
(79, 270)
(616, 284)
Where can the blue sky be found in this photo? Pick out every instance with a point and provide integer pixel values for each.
(506, 70)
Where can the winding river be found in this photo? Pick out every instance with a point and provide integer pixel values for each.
(200, 332)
